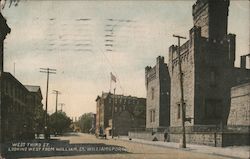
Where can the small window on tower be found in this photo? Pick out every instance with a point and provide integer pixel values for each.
(212, 78)
(179, 111)
(152, 115)
(152, 93)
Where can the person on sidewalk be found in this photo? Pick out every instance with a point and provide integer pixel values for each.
(165, 135)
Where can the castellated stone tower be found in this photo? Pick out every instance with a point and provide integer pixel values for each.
(207, 63)
(211, 16)
(158, 95)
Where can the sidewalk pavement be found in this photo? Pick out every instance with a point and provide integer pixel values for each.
(242, 152)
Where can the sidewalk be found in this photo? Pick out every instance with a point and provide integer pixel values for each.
(242, 152)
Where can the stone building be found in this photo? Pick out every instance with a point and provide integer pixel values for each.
(129, 112)
(240, 105)
(208, 67)
(158, 95)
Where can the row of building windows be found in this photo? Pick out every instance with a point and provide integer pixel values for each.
(14, 91)
(117, 108)
(16, 108)
(124, 101)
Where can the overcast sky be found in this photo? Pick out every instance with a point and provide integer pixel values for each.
(86, 40)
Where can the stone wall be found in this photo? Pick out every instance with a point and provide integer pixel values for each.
(215, 139)
(200, 138)
(240, 105)
(147, 135)
(236, 139)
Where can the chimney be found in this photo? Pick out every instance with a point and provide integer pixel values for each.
(243, 61)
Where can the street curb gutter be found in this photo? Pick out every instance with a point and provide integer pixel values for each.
(154, 143)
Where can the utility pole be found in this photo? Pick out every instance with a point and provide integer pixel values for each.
(62, 105)
(182, 93)
(113, 122)
(48, 71)
(56, 92)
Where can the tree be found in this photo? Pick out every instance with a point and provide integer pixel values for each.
(85, 122)
(59, 123)
(39, 119)
(137, 111)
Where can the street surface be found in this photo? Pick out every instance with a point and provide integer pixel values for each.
(135, 150)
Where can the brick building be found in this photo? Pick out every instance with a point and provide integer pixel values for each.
(4, 30)
(35, 110)
(18, 107)
(208, 67)
(158, 95)
(129, 112)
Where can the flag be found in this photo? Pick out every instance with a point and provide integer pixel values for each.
(113, 78)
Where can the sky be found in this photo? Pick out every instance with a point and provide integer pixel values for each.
(86, 40)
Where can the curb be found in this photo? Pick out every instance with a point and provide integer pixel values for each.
(194, 150)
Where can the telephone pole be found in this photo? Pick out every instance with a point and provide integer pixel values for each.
(62, 105)
(56, 92)
(48, 71)
(182, 93)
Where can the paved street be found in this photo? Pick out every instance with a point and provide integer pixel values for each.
(135, 150)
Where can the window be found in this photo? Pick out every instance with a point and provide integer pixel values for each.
(152, 116)
(152, 93)
(212, 77)
(178, 111)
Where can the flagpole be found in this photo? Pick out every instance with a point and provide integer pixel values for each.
(113, 109)
(110, 84)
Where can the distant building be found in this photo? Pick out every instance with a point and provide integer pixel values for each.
(158, 95)
(93, 123)
(18, 109)
(36, 108)
(129, 112)
(207, 65)
(240, 105)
